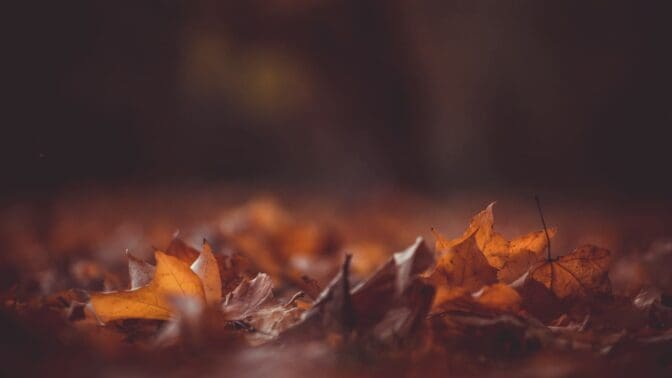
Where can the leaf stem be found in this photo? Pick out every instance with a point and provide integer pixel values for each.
(543, 223)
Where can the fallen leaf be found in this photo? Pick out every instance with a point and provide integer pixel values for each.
(182, 251)
(511, 258)
(139, 271)
(374, 297)
(310, 286)
(253, 305)
(491, 335)
(233, 269)
(498, 297)
(462, 265)
(207, 269)
(172, 278)
(385, 307)
(581, 273)
(332, 310)
(248, 297)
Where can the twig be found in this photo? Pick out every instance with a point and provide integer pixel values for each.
(543, 222)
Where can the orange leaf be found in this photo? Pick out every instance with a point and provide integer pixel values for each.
(462, 265)
(581, 273)
(172, 278)
(511, 258)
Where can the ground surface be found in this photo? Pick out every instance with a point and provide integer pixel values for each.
(78, 241)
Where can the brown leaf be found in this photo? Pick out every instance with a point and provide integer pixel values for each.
(207, 269)
(182, 251)
(490, 335)
(461, 264)
(252, 303)
(139, 271)
(511, 258)
(385, 307)
(233, 269)
(310, 286)
(498, 297)
(374, 297)
(582, 273)
(172, 278)
(332, 310)
(248, 297)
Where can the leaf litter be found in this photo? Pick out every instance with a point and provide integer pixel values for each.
(476, 300)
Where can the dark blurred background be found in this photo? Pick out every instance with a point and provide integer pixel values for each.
(431, 96)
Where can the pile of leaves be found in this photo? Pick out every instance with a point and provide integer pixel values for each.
(472, 303)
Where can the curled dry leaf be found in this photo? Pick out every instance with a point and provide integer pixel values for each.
(582, 273)
(207, 269)
(233, 268)
(332, 310)
(248, 297)
(386, 307)
(252, 303)
(172, 278)
(387, 287)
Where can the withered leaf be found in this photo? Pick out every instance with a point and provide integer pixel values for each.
(332, 310)
(581, 273)
(172, 278)
(511, 258)
(182, 251)
(310, 286)
(252, 303)
(497, 298)
(207, 269)
(462, 265)
(233, 268)
(248, 297)
(385, 307)
(374, 297)
(491, 335)
(139, 271)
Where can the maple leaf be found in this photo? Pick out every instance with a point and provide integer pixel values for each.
(461, 264)
(496, 298)
(581, 273)
(172, 278)
(511, 258)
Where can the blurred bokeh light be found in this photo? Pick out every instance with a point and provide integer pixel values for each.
(432, 96)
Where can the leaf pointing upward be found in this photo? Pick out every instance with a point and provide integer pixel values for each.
(462, 265)
(511, 258)
(207, 270)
